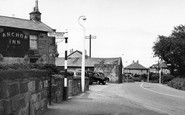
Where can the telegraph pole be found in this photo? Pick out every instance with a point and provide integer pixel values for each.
(90, 37)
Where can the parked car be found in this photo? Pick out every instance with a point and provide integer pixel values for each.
(97, 77)
(106, 78)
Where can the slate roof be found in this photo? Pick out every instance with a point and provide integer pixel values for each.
(161, 65)
(136, 66)
(24, 24)
(89, 62)
(77, 51)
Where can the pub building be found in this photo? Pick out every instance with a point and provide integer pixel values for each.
(26, 40)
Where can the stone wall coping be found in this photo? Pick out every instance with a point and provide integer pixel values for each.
(58, 76)
(17, 74)
(79, 77)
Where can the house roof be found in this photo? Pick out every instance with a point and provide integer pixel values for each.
(161, 65)
(89, 62)
(73, 54)
(135, 65)
(24, 24)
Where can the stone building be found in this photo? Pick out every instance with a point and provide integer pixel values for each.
(111, 67)
(26, 40)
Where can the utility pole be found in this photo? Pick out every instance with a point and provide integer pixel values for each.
(148, 76)
(159, 71)
(90, 37)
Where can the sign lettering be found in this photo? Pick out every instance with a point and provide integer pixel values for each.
(14, 43)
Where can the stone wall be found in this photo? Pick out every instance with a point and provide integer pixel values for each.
(46, 48)
(76, 85)
(23, 92)
(57, 88)
(27, 92)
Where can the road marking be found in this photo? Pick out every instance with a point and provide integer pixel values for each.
(141, 85)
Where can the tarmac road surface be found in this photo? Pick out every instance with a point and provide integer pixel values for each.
(123, 99)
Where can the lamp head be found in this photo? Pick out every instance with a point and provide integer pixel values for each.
(84, 18)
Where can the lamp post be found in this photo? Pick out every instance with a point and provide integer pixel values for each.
(83, 55)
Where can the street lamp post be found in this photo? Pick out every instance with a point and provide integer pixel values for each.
(83, 55)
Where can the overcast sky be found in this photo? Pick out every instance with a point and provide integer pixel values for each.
(124, 28)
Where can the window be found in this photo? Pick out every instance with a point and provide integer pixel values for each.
(33, 42)
(52, 41)
(33, 60)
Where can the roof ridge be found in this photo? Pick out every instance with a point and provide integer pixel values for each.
(15, 18)
(15, 22)
(136, 65)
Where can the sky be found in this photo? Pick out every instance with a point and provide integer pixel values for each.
(123, 28)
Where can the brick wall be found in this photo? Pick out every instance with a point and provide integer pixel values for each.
(23, 92)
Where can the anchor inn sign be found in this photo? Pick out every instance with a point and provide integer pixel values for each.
(14, 43)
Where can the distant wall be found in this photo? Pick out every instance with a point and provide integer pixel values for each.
(136, 71)
(112, 71)
(23, 92)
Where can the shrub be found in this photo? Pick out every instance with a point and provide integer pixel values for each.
(137, 79)
(167, 78)
(154, 77)
(177, 83)
(144, 77)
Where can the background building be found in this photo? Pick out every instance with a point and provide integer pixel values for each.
(135, 68)
(162, 66)
(111, 67)
(26, 41)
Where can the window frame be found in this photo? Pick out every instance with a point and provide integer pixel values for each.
(33, 41)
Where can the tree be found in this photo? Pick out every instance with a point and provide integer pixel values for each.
(171, 49)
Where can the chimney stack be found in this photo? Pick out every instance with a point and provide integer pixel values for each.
(35, 15)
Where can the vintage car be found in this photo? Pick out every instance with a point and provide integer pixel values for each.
(96, 77)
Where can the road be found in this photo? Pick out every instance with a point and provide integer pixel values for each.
(124, 99)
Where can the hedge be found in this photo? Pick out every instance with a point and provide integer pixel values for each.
(177, 83)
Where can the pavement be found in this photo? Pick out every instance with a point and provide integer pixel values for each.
(123, 99)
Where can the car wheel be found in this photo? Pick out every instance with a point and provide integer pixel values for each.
(103, 82)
